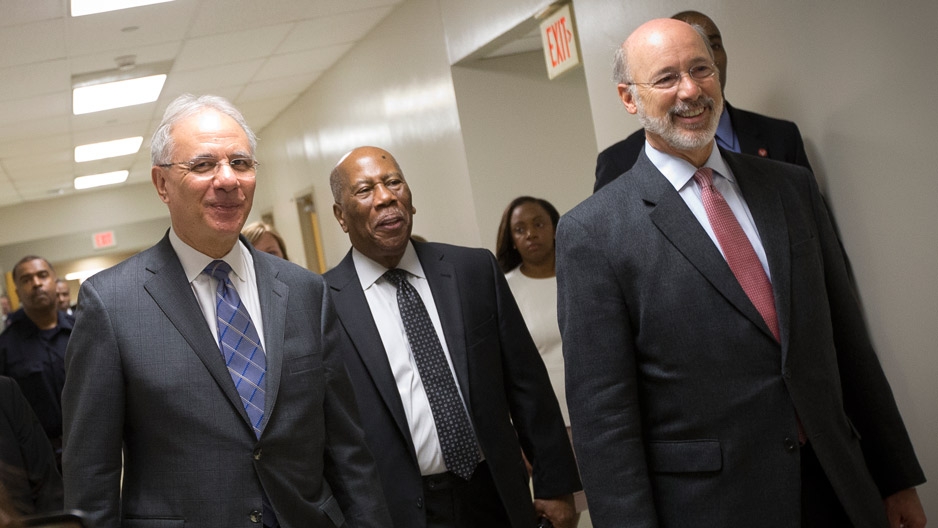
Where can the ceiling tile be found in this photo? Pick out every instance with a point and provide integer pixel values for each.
(38, 41)
(316, 60)
(34, 108)
(35, 78)
(331, 30)
(17, 12)
(205, 80)
(230, 48)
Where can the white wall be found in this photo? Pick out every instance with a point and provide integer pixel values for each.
(858, 78)
(524, 135)
(394, 90)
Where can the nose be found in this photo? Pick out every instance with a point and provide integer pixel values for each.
(225, 177)
(383, 195)
(688, 87)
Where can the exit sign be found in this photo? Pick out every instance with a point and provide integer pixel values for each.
(104, 239)
(558, 38)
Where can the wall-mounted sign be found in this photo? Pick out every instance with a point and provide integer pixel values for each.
(104, 239)
(558, 36)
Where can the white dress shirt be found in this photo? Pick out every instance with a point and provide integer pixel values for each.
(205, 286)
(681, 175)
(381, 295)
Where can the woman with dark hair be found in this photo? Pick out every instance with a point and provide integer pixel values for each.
(525, 252)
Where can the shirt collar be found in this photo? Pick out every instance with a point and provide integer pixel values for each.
(679, 171)
(194, 261)
(726, 136)
(370, 271)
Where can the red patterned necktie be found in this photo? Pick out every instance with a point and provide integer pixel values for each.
(739, 254)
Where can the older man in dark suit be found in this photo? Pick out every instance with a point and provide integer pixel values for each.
(738, 131)
(203, 381)
(450, 385)
(719, 370)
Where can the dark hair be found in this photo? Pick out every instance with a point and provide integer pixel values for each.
(505, 251)
(30, 258)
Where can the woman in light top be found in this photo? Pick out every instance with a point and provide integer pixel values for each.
(525, 252)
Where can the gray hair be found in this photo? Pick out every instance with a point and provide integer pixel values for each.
(162, 146)
(622, 73)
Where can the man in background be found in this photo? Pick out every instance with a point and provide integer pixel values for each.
(208, 373)
(738, 131)
(719, 368)
(449, 383)
(63, 296)
(27, 463)
(6, 308)
(32, 349)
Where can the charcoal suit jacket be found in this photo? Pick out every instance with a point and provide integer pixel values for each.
(145, 381)
(682, 403)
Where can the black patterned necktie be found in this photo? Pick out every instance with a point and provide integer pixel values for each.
(239, 344)
(457, 439)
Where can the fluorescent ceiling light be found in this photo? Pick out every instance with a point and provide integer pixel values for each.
(97, 180)
(82, 275)
(108, 149)
(90, 7)
(97, 97)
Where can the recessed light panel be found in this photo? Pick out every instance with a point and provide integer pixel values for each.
(90, 7)
(98, 97)
(108, 149)
(97, 180)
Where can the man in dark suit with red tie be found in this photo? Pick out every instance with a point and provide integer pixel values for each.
(449, 383)
(738, 131)
(719, 369)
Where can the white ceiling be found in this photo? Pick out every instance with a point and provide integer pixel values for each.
(260, 54)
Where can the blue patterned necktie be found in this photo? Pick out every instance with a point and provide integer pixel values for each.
(457, 439)
(240, 345)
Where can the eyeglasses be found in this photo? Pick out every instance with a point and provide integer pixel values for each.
(669, 80)
(209, 167)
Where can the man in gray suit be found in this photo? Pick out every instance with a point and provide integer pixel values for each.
(159, 343)
(719, 371)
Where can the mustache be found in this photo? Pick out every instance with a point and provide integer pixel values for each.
(684, 106)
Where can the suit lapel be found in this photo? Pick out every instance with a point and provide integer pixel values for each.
(171, 291)
(441, 276)
(675, 221)
(750, 139)
(273, 295)
(765, 204)
(355, 316)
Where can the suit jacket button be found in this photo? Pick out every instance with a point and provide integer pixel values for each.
(256, 516)
(790, 445)
(786, 373)
(257, 454)
(419, 503)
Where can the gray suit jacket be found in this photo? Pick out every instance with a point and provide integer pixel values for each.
(683, 406)
(144, 373)
(502, 378)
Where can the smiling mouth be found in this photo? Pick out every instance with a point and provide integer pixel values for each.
(691, 112)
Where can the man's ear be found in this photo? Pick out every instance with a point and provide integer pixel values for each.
(337, 212)
(625, 95)
(159, 181)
